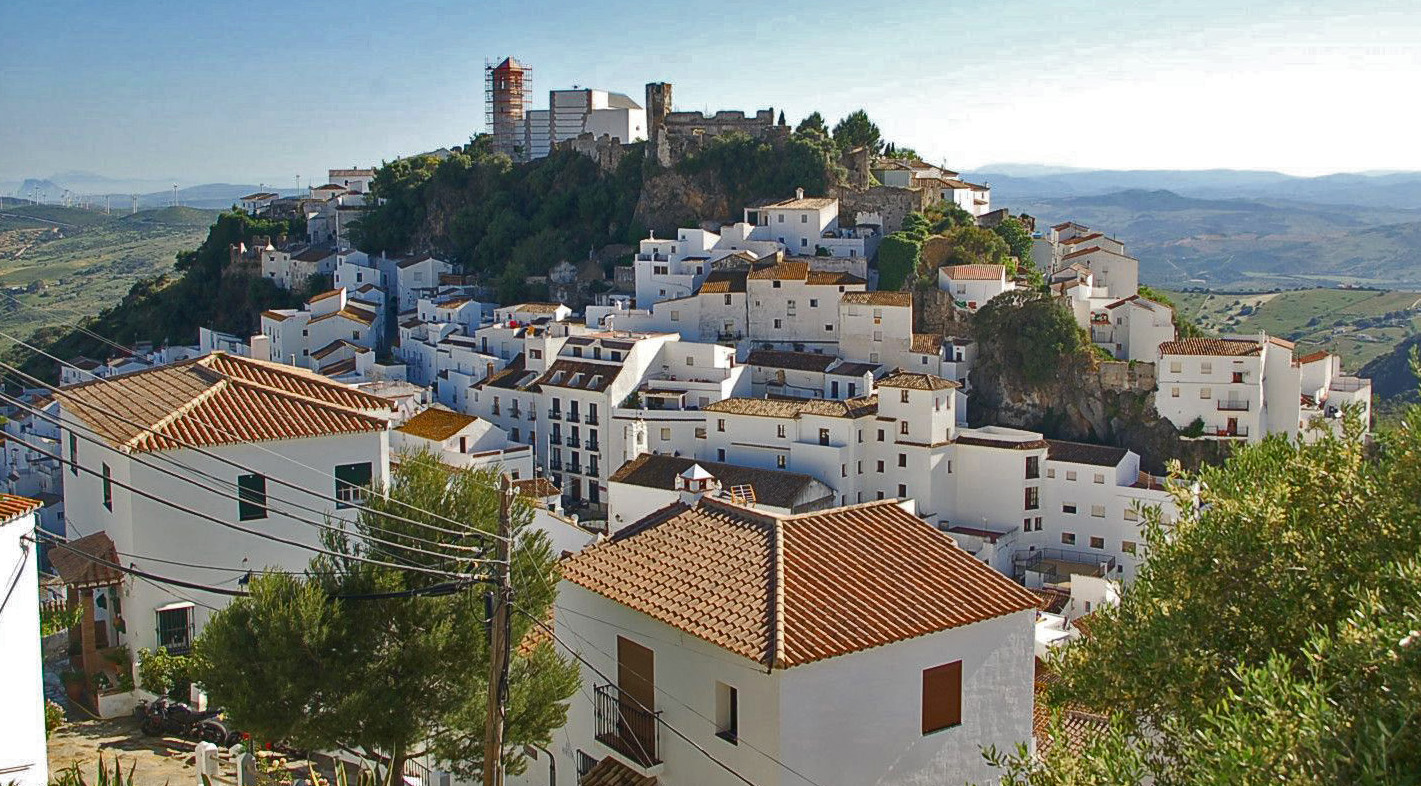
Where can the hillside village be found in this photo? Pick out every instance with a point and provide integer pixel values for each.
(754, 462)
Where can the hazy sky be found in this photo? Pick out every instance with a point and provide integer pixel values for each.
(259, 91)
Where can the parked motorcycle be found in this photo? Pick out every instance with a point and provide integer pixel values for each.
(165, 717)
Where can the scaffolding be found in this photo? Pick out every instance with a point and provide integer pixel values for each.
(506, 86)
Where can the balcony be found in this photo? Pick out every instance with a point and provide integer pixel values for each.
(1058, 565)
(627, 727)
(554, 414)
(575, 468)
(1233, 406)
(555, 465)
(570, 441)
(513, 412)
(1236, 431)
(591, 444)
(573, 417)
(591, 419)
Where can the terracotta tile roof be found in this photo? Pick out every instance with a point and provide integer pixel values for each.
(220, 399)
(436, 423)
(827, 278)
(782, 271)
(793, 408)
(797, 361)
(611, 772)
(1278, 342)
(13, 507)
(1008, 444)
(349, 312)
(1081, 239)
(257, 196)
(580, 376)
(1223, 347)
(775, 487)
(536, 488)
(879, 298)
(337, 368)
(276, 315)
(1314, 357)
(77, 570)
(802, 203)
(725, 281)
(916, 381)
(974, 272)
(853, 369)
(412, 261)
(513, 376)
(1078, 726)
(1083, 453)
(785, 591)
(534, 308)
(322, 296)
(926, 343)
(324, 352)
(314, 255)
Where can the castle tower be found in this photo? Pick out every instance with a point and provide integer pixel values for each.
(505, 100)
(658, 106)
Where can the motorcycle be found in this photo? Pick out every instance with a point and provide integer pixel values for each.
(165, 717)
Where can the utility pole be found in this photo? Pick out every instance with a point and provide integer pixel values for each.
(500, 648)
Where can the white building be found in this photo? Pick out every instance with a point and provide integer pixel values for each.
(1238, 387)
(898, 670)
(462, 441)
(417, 275)
(810, 226)
(24, 758)
(808, 375)
(1132, 328)
(328, 440)
(572, 113)
(971, 286)
(1327, 392)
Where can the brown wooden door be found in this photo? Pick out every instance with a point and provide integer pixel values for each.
(1233, 425)
(636, 681)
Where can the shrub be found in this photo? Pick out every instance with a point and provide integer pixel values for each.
(162, 673)
(1195, 429)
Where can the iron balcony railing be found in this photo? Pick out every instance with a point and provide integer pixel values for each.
(1233, 406)
(573, 417)
(555, 465)
(627, 727)
(591, 419)
(554, 414)
(570, 441)
(575, 468)
(590, 444)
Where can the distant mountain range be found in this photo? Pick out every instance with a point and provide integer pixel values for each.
(151, 193)
(1013, 182)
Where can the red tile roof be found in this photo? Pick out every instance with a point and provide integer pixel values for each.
(1224, 347)
(75, 567)
(219, 399)
(786, 591)
(974, 272)
(916, 381)
(13, 507)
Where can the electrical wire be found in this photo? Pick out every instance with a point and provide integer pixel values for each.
(237, 496)
(61, 392)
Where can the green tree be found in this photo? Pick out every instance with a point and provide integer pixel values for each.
(856, 130)
(1184, 326)
(396, 677)
(1273, 635)
(897, 259)
(812, 124)
(1030, 334)
(965, 245)
(1017, 238)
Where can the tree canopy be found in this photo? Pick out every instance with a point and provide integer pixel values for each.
(1273, 635)
(1029, 333)
(396, 677)
(856, 130)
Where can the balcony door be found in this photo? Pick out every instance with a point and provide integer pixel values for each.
(636, 689)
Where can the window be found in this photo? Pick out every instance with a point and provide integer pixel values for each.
(727, 713)
(780, 218)
(175, 628)
(903, 396)
(860, 436)
(1174, 392)
(1238, 376)
(1131, 514)
(1099, 477)
(1068, 538)
(902, 491)
(823, 436)
(880, 466)
(880, 435)
(1128, 546)
(1033, 498)
(351, 482)
(251, 497)
(727, 300)
(781, 461)
(720, 424)
(1206, 367)
(720, 454)
(829, 328)
(73, 454)
(665, 435)
(804, 218)
(1097, 511)
(880, 495)
(814, 303)
(902, 427)
(1097, 543)
(1068, 507)
(675, 316)
(1071, 475)
(778, 323)
(804, 242)
(1206, 393)
(1026, 525)
(902, 459)
(942, 697)
(1038, 523)
(1033, 467)
(843, 470)
(1175, 367)
(775, 284)
(108, 488)
(780, 431)
(536, 354)
(1050, 472)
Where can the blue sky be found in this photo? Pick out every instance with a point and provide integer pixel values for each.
(261, 92)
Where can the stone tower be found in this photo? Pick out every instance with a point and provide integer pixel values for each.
(658, 106)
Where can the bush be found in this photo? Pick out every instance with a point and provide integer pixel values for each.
(897, 260)
(1034, 335)
(1195, 429)
(53, 717)
(164, 674)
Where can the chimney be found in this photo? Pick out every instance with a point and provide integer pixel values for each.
(695, 482)
(488, 370)
(799, 193)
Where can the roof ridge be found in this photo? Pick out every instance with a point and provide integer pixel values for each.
(776, 655)
(155, 430)
(876, 503)
(294, 396)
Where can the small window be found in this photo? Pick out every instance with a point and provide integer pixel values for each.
(843, 470)
(880, 467)
(781, 461)
(1033, 498)
(1097, 511)
(902, 459)
(1071, 475)
(1206, 393)
(780, 431)
(665, 435)
(1175, 367)
(73, 454)
(880, 435)
(1128, 546)
(942, 697)
(351, 482)
(1206, 367)
(903, 396)
(1033, 467)
(902, 491)
(108, 488)
(251, 497)
(1099, 478)
(814, 303)
(1097, 543)
(778, 323)
(1051, 472)
(1131, 514)
(720, 424)
(1068, 507)
(1174, 392)
(1068, 538)
(727, 713)
(902, 427)
(720, 454)
(829, 328)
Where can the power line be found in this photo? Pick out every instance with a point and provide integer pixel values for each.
(69, 521)
(238, 527)
(219, 429)
(444, 588)
(238, 497)
(659, 720)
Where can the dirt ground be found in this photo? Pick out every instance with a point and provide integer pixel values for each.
(155, 760)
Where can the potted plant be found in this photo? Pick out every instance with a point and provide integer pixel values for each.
(74, 684)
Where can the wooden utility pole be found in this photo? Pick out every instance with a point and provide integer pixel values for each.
(500, 648)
